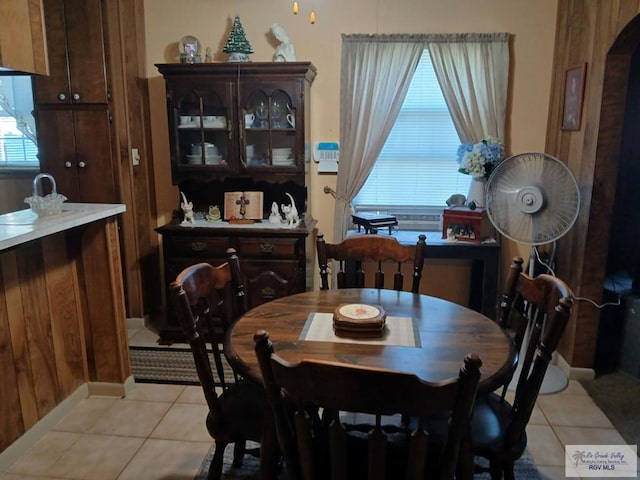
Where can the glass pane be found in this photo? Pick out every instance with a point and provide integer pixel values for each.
(18, 143)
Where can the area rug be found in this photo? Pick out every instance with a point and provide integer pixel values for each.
(617, 394)
(525, 469)
(167, 365)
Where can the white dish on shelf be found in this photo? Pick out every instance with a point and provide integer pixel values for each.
(188, 125)
(208, 159)
(282, 163)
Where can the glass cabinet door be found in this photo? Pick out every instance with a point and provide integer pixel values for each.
(202, 121)
(270, 139)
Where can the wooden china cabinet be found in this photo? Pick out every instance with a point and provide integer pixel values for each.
(240, 127)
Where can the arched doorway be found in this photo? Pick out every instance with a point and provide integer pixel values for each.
(612, 238)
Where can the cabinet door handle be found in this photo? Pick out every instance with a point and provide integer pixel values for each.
(82, 164)
(198, 246)
(67, 164)
(62, 97)
(266, 247)
(76, 96)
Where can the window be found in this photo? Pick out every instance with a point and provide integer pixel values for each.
(417, 165)
(18, 146)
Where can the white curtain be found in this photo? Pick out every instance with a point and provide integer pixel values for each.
(473, 73)
(376, 74)
(472, 70)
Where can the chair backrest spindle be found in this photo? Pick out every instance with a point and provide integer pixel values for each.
(376, 248)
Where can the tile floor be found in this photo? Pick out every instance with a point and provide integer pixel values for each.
(158, 433)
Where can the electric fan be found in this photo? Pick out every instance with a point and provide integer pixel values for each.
(533, 198)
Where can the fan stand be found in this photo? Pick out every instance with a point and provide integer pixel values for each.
(525, 185)
(554, 379)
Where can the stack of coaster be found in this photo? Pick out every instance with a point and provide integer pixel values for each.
(358, 320)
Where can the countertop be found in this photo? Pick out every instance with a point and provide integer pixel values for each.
(24, 225)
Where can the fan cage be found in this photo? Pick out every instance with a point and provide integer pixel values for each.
(554, 199)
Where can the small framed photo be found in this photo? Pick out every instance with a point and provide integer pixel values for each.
(573, 97)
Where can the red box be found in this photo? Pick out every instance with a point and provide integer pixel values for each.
(465, 224)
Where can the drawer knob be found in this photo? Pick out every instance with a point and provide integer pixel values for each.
(198, 246)
(266, 247)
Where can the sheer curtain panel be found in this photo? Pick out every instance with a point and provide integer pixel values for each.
(376, 73)
(473, 72)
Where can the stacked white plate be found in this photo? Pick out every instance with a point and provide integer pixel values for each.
(250, 152)
(212, 160)
(208, 160)
(281, 157)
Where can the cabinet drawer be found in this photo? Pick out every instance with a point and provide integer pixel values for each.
(267, 280)
(264, 248)
(196, 246)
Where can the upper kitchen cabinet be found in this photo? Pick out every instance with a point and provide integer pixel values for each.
(238, 120)
(76, 45)
(23, 46)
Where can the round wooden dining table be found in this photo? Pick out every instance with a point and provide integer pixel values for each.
(428, 336)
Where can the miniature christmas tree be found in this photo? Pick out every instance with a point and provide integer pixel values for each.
(237, 44)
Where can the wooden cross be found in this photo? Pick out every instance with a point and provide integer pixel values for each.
(243, 202)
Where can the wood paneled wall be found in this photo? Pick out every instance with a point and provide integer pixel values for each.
(62, 322)
(604, 35)
(130, 102)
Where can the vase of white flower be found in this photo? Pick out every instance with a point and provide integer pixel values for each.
(479, 160)
(477, 191)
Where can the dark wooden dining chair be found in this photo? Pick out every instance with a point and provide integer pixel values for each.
(319, 447)
(377, 248)
(537, 310)
(207, 300)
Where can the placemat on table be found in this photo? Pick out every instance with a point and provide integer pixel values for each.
(399, 331)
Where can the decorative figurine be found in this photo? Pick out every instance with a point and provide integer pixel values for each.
(237, 44)
(290, 213)
(187, 209)
(208, 55)
(456, 200)
(275, 216)
(285, 52)
(214, 214)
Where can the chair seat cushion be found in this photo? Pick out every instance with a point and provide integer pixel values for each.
(243, 407)
(491, 417)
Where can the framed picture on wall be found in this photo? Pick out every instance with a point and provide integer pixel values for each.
(573, 93)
